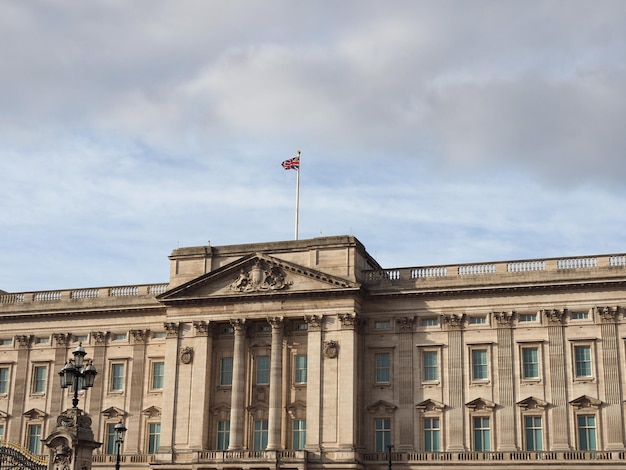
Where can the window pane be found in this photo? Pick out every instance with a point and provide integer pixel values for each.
(263, 370)
(382, 428)
(482, 434)
(431, 435)
(301, 369)
(479, 364)
(154, 437)
(260, 434)
(587, 432)
(223, 435)
(383, 373)
(4, 380)
(158, 370)
(299, 434)
(431, 365)
(226, 371)
(110, 438)
(39, 379)
(530, 358)
(117, 377)
(534, 434)
(582, 355)
(34, 438)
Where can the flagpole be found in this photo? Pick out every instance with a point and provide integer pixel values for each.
(297, 193)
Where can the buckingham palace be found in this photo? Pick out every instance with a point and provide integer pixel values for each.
(307, 354)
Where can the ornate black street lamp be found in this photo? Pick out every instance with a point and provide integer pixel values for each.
(75, 373)
(119, 430)
(389, 461)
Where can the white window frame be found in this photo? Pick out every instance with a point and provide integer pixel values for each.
(583, 343)
(423, 350)
(529, 346)
(112, 378)
(389, 367)
(222, 372)
(475, 348)
(525, 428)
(149, 436)
(153, 377)
(34, 388)
(7, 383)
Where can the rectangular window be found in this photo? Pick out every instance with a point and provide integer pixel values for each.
(587, 432)
(482, 434)
(382, 429)
(154, 437)
(4, 380)
(158, 371)
(226, 371)
(39, 379)
(528, 317)
(262, 370)
(42, 340)
(382, 325)
(110, 439)
(480, 368)
(1, 432)
(159, 335)
(303, 326)
(223, 435)
(430, 322)
(431, 366)
(383, 368)
(580, 315)
(34, 439)
(299, 434)
(301, 368)
(432, 439)
(260, 434)
(118, 336)
(117, 377)
(530, 363)
(6, 342)
(80, 339)
(582, 358)
(534, 433)
(478, 320)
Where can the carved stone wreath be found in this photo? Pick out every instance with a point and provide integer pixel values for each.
(186, 355)
(331, 349)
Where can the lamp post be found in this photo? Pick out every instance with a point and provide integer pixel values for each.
(75, 373)
(389, 447)
(119, 430)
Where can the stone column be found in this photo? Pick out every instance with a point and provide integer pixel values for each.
(348, 398)
(136, 391)
(275, 399)
(558, 380)
(506, 415)
(200, 393)
(406, 409)
(61, 342)
(314, 383)
(238, 392)
(456, 416)
(612, 408)
(21, 388)
(98, 359)
(168, 427)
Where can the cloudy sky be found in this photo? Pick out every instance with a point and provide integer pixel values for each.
(434, 131)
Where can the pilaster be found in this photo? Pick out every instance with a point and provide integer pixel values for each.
(200, 389)
(406, 408)
(506, 416)
(275, 398)
(168, 427)
(456, 416)
(314, 383)
(238, 395)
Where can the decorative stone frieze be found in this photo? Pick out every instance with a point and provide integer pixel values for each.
(314, 322)
(554, 316)
(454, 321)
(140, 336)
(203, 328)
(171, 329)
(99, 337)
(405, 324)
(608, 314)
(504, 319)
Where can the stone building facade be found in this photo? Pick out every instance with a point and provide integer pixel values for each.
(308, 354)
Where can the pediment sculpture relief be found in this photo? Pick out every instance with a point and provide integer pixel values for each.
(260, 278)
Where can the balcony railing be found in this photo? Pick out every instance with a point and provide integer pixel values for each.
(587, 263)
(149, 290)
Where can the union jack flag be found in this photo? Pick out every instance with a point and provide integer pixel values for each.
(292, 163)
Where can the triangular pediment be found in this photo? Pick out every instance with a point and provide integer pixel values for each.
(152, 412)
(254, 275)
(531, 403)
(480, 404)
(380, 406)
(114, 412)
(34, 413)
(585, 401)
(430, 405)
